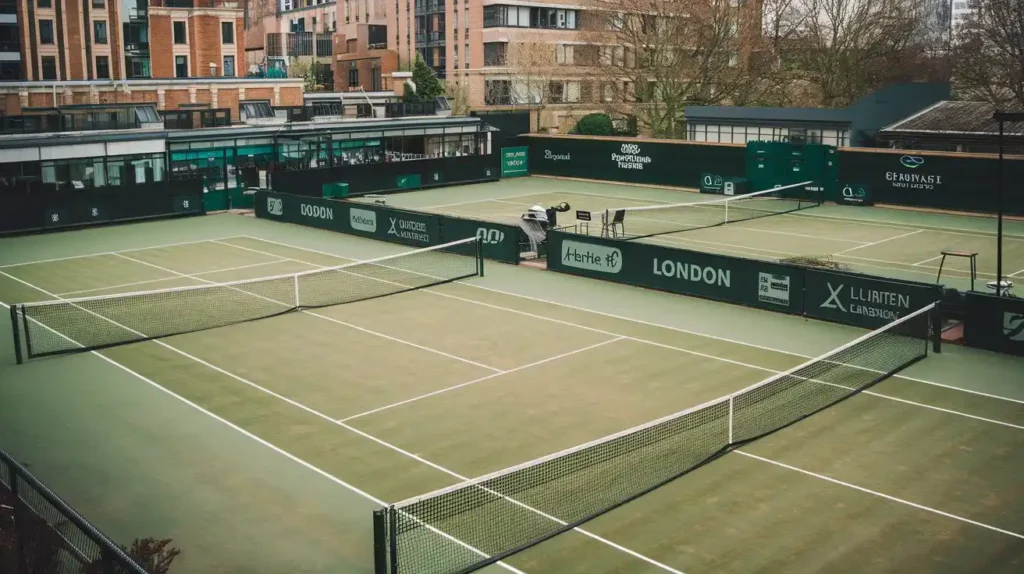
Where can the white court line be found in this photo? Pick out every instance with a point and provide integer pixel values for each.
(1016, 273)
(740, 226)
(364, 435)
(632, 320)
(478, 200)
(927, 260)
(480, 380)
(116, 252)
(326, 318)
(868, 222)
(879, 241)
(133, 283)
(243, 431)
(881, 495)
(690, 352)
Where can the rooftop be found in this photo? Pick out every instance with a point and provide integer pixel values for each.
(765, 114)
(954, 118)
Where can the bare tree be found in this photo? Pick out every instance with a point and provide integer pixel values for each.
(846, 48)
(988, 53)
(651, 58)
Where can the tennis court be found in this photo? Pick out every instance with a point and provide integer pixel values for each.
(395, 396)
(887, 242)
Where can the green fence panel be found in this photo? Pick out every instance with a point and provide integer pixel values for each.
(408, 181)
(744, 281)
(499, 241)
(216, 200)
(394, 225)
(308, 211)
(995, 323)
(863, 300)
(239, 199)
(515, 161)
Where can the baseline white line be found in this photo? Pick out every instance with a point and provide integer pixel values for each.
(479, 200)
(873, 243)
(115, 252)
(638, 321)
(867, 222)
(232, 425)
(326, 318)
(881, 495)
(480, 380)
(1016, 273)
(740, 226)
(94, 289)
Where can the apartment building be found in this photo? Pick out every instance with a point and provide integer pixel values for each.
(67, 40)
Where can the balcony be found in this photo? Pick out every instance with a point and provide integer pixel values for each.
(11, 46)
(429, 6)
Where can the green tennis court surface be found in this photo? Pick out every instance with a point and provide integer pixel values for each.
(377, 401)
(878, 241)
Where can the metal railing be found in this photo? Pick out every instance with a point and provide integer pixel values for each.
(39, 532)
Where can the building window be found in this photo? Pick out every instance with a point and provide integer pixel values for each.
(229, 66)
(353, 76)
(46, 31)
(138, 67)
(179, 33)
(99, 32)
(99, 4)
(102, 68)
(45, 3)
(49, 68)
(227, 33)
(494, 53)
(180, 66)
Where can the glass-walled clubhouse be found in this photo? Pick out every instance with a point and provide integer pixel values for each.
(228, 158)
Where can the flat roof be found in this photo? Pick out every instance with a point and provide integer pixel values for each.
(758, 114)
(955, 119)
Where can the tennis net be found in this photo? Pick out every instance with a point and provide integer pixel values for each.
(481, 521)
(89, 323)
(650, 220)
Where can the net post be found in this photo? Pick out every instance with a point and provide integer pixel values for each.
(731, 400)
(726, 211)
(17, 334)
(380, 541)
(28, 336)
(479, 257)
(936, 321)
(297, 304)
(393, 538)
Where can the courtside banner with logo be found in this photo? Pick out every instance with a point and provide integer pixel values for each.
(498, 241)
(744, 281)
(863, 300)
(995, 323)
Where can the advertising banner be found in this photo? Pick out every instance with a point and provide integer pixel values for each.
(498, 241)
(995, 323)
(747, 282)
(855, 194)
(515, 161)
(863, 300)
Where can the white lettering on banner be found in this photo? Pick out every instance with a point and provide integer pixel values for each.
(867, 302)
(630, 157)
(363, 220)
(691, 272)
(490, 236)
(548, 154)
(316, 211)
(406, 229)
(592, 257)
(913, 180)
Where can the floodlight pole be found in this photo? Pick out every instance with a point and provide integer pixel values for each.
(999, 225)
(1002, 118)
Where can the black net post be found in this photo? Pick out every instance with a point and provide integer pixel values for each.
(380, 541)
(393, 539)
(28, 338)
(480, 257)
(936, 320)
(17, 334)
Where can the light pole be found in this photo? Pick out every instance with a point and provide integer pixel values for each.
(1002, 118)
